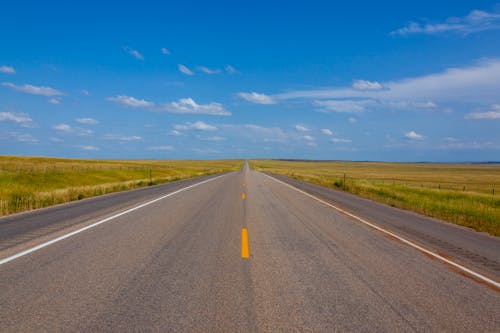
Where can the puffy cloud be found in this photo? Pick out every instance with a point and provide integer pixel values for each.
(54, 101)
(352, 120)
(189, 106)
(21, 119)
(62, 128)
(301, 128)
(165, 51)
(308, 138)
(257, 98)
(326, 131)
(131, 101)
(65, 128)
(412, 135)
(34, 90)
(7, 70)
(184, 70)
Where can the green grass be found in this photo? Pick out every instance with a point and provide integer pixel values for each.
(34, 182)
(465, 194)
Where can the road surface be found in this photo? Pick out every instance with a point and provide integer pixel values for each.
(171, 258)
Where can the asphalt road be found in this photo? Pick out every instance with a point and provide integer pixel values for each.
(175, 265)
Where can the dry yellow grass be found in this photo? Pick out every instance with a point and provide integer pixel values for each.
(33, 182)
(459, 193)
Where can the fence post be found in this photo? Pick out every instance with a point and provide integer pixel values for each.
(344, 181)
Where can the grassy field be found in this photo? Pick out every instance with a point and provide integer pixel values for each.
(465, 194)
(33, 182)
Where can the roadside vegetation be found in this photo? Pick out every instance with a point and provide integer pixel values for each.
(465, 194)
(33, 182)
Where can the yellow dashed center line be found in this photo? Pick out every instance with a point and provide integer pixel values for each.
(245, 253)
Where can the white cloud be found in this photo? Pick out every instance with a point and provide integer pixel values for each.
(308, 138)
(352, 120)
(471, 84)
(21, 119)
(133, 53)
(34, 90)
(301, 128)
(7, 70)
(85, 92)
(205, 151)
(131, 101)
(62, 128)
(267, 133)
(230, 70)
(184, 70)
(257, 98)
(475, 21)
(165, 51)
(175, 133)
(19, 137)
(86, 121)
(366, 85)
(486, 115)
(161, 148)
(54, 101)
(345, 105)
(463, 145)
(213, 138)
(326, 131)
(89, 148)
(409, 104)
(256, 133)
(207, 70)
(412, 135)
(56, 140)
(65, 128)
(198, 126)
(339, 140)
(189, 106)
(114, 137)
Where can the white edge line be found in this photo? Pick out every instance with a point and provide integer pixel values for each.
(404, 240)
(60, 238)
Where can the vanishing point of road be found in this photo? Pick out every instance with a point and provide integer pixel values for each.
(243, 252)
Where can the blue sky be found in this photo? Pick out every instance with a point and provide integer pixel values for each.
(361, 80)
